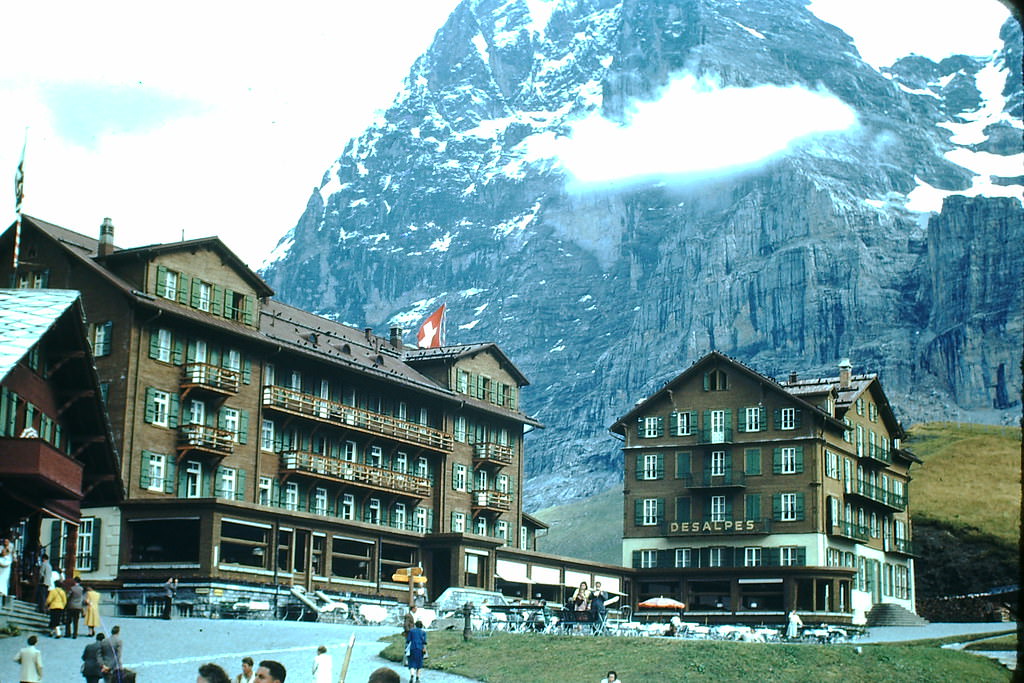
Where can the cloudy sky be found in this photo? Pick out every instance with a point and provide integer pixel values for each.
(220, 118)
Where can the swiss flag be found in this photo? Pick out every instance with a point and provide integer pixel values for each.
(429, 335)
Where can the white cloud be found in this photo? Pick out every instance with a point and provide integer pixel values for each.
(696, 128)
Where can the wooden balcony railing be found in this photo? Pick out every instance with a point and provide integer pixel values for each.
(211, 377)
(355, 472)
(492, 500)
(332, 412)
(205, 438)
(493, 452)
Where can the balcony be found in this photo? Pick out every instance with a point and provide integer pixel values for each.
(492, 452)
(901, 546)
(34, 469)
(707, 480)
(194, 437)
(496, 501)
(877, 494)
(338, 414)
(874, 454)
(853, 531)
(335, 469)
(209, 378)
(710, 436)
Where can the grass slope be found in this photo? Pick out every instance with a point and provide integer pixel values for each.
(964, 464)
(514, 658)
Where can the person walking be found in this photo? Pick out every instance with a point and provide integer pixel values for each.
(31, 660)
(247, 675)
(408, 621)
(92, 609)
(93, 666)
(76, 603)
(417, 642)
(113, 649)
(170, 590)
(56, 601)
(44, 582)
(323, 666)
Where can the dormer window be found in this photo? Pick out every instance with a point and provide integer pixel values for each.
(169, 283)
(715, 380)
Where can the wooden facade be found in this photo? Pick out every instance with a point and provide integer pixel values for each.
(746, 498)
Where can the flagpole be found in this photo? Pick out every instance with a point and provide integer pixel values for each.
(19, 195)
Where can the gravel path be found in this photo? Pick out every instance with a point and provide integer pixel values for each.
(171, 651)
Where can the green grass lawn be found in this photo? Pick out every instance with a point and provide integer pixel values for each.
(519, 658)
(1007, 642)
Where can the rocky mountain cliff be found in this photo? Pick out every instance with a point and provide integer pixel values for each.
(553, 171)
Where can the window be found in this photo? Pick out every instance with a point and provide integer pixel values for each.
(683, 423)
(420, 520)
(460, 429)
(788, 418)
(524, 538)
(459, 522)
(193, 479)
(398, 516)
(319, 501)
(295, 380)
(196, 412)
(422, 468)
(348, 506)
(860, 405)
(265, 488)
(349, 452)
(788, 507)
(161, 408)
(227, 487)
(233, 360)
(501, 529)
(459, 477)
(462, 381)
(230, 422)
(648, 559)
(752, 417)
(860, 441)
(267, 435)
(101, 339)
(831, 464)
(874, 525)
(651, 427)
(481, 526)
(684, 557)
(503, 483)
(718, 509)
(715, 381)
(789, 555)
(652, 467)
(718, 463)
(291, 496)
(401, 462)
(375, 457)
(204, 294)
(788, 460)
(373, 511)
(714, 557)
(155, 467)
(752, 557)
(650, 511)
(167, 283)
(718, 426)
(163, 345)
(847, 434)
(86, 559)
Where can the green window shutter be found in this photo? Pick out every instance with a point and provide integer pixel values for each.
(638, 511)
(46, 278)
(636, 559)
(707, 508)
(693, 422)
(150, 405)
(104, 349)
(728, 425)
(243, 427)
(706, 426)
(240, 489)
(94, 557)
(213, 355)
(800, 507)
(664, 558)
(174, 411)
(194, 298)
(247, 313)
(182, 289)
(776, 418)
(776, 461)
(161, 281)
(777, 506)
(728, 509)
(741, 421)
(220, 419)
(170, 467)
(177, 352)
(707, 381)
(764, 423)
(229, 303)
(798, 418)
(799, 458)
(455, 468)
(640, 428)
(683, 509)
(154, 343)
(661, 466)
(661, 510)
(639, 473)
(247, 371)
(661, 425)
(753, 506)
(216, 300)
(772, 557)
(190, 351)
(801, 556)
(673, 422)
(682, 464)
(144, 480)
(752, 456)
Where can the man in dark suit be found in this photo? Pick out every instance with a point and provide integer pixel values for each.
(93, 666)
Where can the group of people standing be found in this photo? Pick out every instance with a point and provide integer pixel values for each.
(67, 606)
(593, 603)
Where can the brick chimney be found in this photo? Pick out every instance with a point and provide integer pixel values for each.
(793, 377)
(396, 337)
(845, 368)
(106, 246)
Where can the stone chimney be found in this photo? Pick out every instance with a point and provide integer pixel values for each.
(396, 337)
(106, 246)
(792, 378)
(845, 368)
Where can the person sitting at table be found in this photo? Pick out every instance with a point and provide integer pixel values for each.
(539, 618)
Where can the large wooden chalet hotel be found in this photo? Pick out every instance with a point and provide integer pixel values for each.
(263, 446)
(746, 498)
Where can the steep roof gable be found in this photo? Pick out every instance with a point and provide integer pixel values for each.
(466, 351)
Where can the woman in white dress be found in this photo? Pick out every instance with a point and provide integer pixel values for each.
(6, 559)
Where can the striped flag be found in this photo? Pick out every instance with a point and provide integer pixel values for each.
(429, 335)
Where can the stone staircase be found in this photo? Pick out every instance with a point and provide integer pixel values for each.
(888, 614)
(23, 615)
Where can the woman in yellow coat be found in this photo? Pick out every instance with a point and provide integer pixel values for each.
(92, 609)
